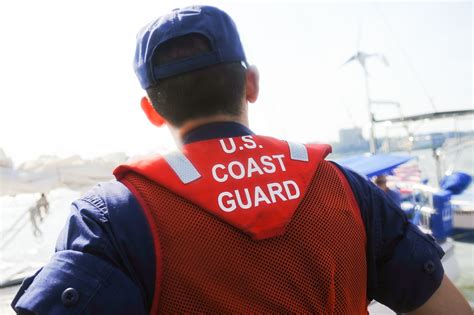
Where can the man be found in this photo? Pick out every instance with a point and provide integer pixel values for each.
(381, 182)
(43, 205)
(233, 222)
(35, 216)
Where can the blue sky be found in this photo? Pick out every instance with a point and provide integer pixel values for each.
(68, 86)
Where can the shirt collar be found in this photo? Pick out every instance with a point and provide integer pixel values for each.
(225, 129)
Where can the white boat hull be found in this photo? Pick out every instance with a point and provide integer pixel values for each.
(463, 218)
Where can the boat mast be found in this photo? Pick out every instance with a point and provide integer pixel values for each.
(361, 58)
(373, 148)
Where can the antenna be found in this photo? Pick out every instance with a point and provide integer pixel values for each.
(359, 35)
(361, 57)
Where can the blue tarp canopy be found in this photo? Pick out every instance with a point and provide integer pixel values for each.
(374, 165)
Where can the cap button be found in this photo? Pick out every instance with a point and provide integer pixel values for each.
(429, 266)
(69, 297)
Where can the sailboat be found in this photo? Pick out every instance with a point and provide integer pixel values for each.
(430, 207)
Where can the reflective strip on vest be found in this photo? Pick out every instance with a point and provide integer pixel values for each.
(298, 151)
(182, 167)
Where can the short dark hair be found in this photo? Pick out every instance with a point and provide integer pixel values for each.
(218, 89)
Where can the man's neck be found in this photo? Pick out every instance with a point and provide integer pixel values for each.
(221, 129)
(180, 132)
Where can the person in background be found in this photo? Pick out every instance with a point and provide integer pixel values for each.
(43, 206)
(35, 215)
(381, 182)
(232, 222)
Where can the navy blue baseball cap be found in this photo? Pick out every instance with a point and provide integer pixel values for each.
(210, 22)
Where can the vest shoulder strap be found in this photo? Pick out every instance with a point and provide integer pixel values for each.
(254, 183)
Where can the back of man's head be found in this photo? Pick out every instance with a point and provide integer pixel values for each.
(192, 65)
(200, 93)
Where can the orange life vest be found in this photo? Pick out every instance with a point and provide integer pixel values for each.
(251, 225)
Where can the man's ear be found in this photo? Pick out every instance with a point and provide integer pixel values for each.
(151, 113)
(253, 85)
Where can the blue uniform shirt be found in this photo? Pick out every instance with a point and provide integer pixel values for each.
(104, 261)
(394, 195)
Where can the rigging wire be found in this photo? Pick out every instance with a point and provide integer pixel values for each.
(405, 56)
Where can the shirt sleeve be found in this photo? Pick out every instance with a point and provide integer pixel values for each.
(79, 283)
(98, 268)
(404, 264)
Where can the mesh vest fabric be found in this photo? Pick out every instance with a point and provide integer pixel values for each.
(207, 266)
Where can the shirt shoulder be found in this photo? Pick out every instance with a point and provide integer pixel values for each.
(126, 229)
(106, 238)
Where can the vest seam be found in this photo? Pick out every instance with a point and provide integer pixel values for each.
(156, 243)
(350, 194)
